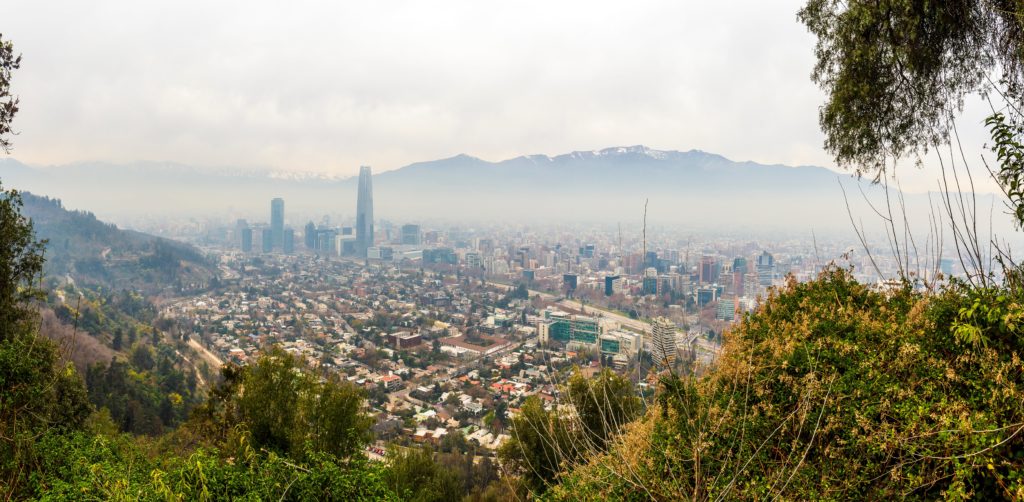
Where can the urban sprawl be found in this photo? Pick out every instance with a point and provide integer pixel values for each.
(448, 331)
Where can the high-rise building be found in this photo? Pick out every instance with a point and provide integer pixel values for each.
(276, 223)
(739, 269)
(326, 241)
(411, 235)
(663, 342)
(617, 341)
(288, 245)
(383, 253)
(946, 267)
(570, 282)
(268, 240)
(364, 212)
(709, 270)
(612, 284)
(727, 308)
(705, 295)
(246, 240)
(310, 236)
(766, 269)
(650, 285)
(651, 259)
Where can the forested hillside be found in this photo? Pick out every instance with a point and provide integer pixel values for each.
(97, 254)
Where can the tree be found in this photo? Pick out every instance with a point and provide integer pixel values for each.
(538, 445)
(414, 475)
(39, 392)
(545, 443)
(896, 71)
(284, 407)
(603, 404)
(21, 265)
(8, 103)
(118, 340)
(272, 386)
(335, 421)
(142, 357)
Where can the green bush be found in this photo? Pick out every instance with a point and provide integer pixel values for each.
(834, 390)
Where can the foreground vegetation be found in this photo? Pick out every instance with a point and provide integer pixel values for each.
(834, 391)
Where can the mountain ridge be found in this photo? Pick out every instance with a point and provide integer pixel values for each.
(254, 171)
(693, 187)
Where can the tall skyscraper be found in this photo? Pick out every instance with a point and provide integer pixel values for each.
(766, 268)
(276, 223)
(663, 342)
(310, 235)
(364, 212)
(268, 240)
(246, 240)
(288, 244)
(739, 269)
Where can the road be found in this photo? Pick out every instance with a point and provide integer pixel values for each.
(627, 322)
(208, 356)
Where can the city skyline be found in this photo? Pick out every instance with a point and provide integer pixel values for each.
(277, 222)
(364, 212)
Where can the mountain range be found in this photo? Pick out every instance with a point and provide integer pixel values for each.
(693, 188)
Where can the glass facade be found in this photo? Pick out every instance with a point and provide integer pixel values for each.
(582, 330)
(610, 346)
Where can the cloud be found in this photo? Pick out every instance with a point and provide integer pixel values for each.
(327, 86)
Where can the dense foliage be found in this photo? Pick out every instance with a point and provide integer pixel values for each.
(897, 71)
(283, 407)
(38, 392)
(545, 442)
(94, 466)
(834, 390)
(1007, 132)
(147, 396)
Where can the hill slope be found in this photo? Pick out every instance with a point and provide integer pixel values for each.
(93, 253)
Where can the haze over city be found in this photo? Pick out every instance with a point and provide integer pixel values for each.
(325, 88)
(500, 252)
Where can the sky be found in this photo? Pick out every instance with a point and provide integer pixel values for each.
(323, 86)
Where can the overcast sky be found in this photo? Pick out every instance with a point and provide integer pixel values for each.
(326, 86)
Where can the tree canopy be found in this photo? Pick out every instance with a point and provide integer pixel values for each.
(9, 61)
(545, 443)
(896, 71)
